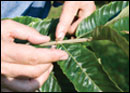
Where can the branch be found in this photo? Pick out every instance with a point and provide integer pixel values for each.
(126, 32)
(66, 41)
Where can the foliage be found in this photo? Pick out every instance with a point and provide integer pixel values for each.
(99, 65)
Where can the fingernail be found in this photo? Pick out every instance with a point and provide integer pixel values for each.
(44, 38)
(50, 68)
(61, 36)
(64, 57)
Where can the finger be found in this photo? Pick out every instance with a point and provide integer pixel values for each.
(23, 71)
(25, 54)
(14, 29)
(83, 13)
(45, 76)
(74, 26)
(26, 85)
(69, 11)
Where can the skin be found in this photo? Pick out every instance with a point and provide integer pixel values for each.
(37, 62)
(23, 67)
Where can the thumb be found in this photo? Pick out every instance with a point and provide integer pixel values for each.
(68, 13)
(23, 32)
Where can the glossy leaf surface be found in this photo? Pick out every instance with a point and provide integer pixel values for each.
(51, 85)
(84, 70)
(100, 17)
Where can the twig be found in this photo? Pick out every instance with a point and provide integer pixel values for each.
(71, 41)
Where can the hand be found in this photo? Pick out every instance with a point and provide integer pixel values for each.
(67, 22)
(23, 67)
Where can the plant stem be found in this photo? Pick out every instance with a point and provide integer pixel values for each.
(71, 41)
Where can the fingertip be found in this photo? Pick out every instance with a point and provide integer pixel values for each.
(60, 32)
(45, 38)
(63, 55)
(45, 76)
(39, 39)
(60, 36)
(50, 69)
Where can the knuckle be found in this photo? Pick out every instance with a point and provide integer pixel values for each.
(71, 32)
(54, 57)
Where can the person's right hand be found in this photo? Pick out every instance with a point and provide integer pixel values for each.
(23, 67)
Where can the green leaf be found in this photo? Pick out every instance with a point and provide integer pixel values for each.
(122, 27)
(100, 17)
(46, 27)
(114, 61)
(84, 71)
(42, 26)
(26, 19)
(124, 13)
(51, 85)
(107, 33)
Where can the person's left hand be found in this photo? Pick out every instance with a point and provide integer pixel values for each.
(67, 22)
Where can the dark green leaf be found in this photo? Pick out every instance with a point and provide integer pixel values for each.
(100, 17)
(51, 85)
(84, 70)
(26, 19)
(107, 33)
(122, 14)
(122, 27)
(46, 27)
(114, 61)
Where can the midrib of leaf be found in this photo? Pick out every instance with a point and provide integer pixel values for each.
(99, 32)
(124, 13)
(109, 76)
(81, 67)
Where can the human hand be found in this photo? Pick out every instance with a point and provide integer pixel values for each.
(23, 67)
(67, 22)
